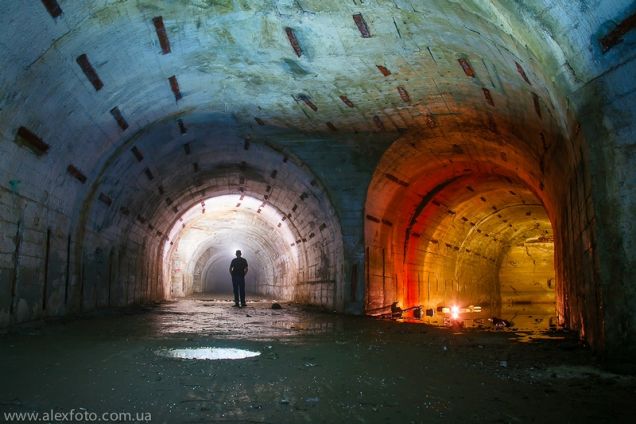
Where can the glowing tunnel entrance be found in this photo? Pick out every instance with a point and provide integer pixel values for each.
(207, 235)
(474, 234)
(481, 240)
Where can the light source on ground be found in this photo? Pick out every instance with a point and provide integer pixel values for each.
(455, 312)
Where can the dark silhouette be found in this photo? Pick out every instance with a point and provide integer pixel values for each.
(238, 269)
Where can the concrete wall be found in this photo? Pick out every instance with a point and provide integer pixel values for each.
(527, 274)
(591, 55)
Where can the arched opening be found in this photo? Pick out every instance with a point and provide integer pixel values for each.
(482, 243)
(206, 237)
(181, 215)
(446, 226)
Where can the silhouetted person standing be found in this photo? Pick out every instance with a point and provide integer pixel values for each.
(238, 269)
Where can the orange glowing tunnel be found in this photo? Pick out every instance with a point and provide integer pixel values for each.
(444, 231)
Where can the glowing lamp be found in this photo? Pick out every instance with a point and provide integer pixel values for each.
(454, 311)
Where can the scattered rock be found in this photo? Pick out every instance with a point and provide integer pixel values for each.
(500, 323)
(276, 306)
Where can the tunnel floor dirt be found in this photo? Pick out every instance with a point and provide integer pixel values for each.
(314, 367)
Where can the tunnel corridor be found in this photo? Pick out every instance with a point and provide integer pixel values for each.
(209, 234)
(362, 154)
(457, 233)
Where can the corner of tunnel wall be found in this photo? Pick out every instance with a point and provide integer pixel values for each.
(345, 176)
(595, 235)
(108, 266)
(605, 112)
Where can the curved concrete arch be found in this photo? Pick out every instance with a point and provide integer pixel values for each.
(425, 183)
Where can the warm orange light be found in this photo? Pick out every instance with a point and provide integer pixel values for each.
(454, 311)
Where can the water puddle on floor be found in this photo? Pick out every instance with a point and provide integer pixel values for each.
(527, 323)
(529, 337)
(207, 353)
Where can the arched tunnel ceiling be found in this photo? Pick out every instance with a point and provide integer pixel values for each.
(97, 73)
(483, 218)
(236, 58)
(186, 169)
(377, 66)
(231, 223)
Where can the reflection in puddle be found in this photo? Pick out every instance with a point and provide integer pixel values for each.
(524, 317)
(306, 326)
(533, 336)
(211, 353)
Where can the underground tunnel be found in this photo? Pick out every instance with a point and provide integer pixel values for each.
(207, 241)
(203, 207)
(366, 157)
(461, 234)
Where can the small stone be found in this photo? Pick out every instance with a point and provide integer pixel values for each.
(276, 306)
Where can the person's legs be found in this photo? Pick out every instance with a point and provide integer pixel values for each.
(242, 290)
(235, 287)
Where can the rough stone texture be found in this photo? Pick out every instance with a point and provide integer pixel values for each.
(527, 273)
(500, 96)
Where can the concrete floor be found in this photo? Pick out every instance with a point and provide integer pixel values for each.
(313, 367)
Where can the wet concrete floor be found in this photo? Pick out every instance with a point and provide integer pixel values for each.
(314, 367)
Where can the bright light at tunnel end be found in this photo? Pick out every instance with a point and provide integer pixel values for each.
(227, 203)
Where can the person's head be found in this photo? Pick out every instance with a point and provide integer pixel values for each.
(238, 253)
